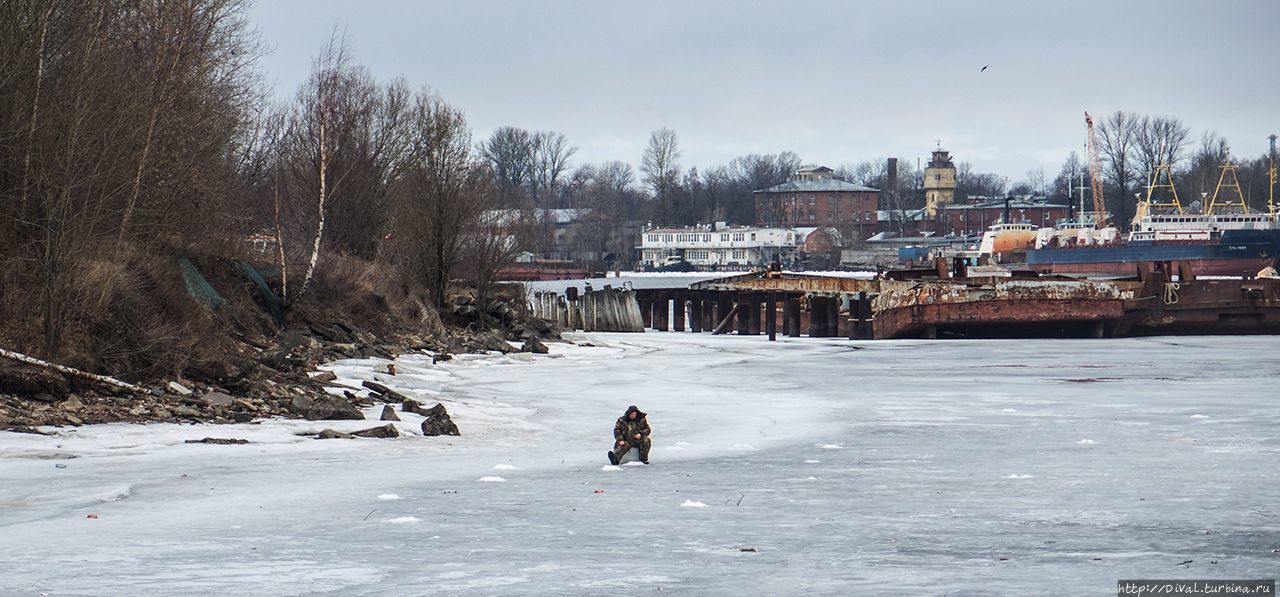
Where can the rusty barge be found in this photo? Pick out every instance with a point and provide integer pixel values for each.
(1161, 300)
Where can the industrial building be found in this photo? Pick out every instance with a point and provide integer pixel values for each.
(814, 197)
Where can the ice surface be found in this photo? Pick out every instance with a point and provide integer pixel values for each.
(918, 500)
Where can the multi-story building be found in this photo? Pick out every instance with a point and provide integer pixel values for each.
(716, 247)
(974, 218)
(813, 197)
(939, 182)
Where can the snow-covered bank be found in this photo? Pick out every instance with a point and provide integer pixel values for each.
(994, 467)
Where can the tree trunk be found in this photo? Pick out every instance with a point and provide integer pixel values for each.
(284, 275)
(35, 111)
(22, 358)
(152, 122)
(315, 245)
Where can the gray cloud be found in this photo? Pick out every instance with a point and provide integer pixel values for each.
(834, 81)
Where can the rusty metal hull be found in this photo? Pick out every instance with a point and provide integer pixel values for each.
(1016, 307)
(1008, 308)
(1159, 307)
(1000, 318)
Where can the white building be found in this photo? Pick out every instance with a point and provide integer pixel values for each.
(716, 247)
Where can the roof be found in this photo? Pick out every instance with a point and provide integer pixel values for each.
(815, 186)
(559, 216)
(708, 230)
(999, 204)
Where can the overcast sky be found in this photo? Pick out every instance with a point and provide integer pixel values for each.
(835, 82)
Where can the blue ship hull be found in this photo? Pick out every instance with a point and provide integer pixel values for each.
(1235, 253)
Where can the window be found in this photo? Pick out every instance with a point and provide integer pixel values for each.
(753, 236)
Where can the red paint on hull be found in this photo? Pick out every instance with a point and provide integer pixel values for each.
(1200, 267)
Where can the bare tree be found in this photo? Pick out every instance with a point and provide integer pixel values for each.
(1036, 181)
(1201, 177)
(510, 154)
(1068, 179)
(1117, 140)
(440, 195)
(970, 183)
(313, 129)
(551, 154)
(123, 122)
(343, 144)
(617, 177)
(491, 242)
(1159, 140)
(751, 173)
(661, 162)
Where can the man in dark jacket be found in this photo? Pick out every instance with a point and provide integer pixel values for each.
(631, 431)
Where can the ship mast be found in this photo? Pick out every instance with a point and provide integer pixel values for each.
(1227, 168)
(1155, 184)
(1271, 176)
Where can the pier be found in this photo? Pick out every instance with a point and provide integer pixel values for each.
(1163, 299)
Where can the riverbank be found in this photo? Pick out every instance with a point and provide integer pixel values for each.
(274, 373)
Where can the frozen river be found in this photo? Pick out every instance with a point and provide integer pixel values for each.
(806, 466)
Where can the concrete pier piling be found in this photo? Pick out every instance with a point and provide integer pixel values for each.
(771, 315)
(753, 316)
(605, 310)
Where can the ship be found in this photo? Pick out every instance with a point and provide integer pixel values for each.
(1238, 244)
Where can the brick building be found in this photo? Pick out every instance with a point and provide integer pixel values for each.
(975, 217)
(813, 197)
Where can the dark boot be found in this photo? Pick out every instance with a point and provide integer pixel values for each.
(613, 458)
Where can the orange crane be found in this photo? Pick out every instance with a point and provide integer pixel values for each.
(1095, 177)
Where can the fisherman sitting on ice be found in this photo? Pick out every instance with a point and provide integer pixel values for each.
(631, 431)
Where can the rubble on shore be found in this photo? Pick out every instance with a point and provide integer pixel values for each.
(275, 377)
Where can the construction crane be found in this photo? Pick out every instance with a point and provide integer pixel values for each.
(1095, 177)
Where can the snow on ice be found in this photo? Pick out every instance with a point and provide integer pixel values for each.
(918, 490)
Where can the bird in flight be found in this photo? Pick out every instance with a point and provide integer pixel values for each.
(984, 69)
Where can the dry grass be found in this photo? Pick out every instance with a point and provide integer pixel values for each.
(131, 316)
(368, 295)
